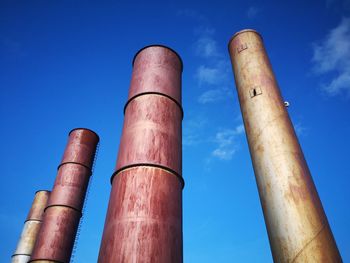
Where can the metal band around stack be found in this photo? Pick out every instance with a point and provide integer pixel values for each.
(31, 228)
(146, 195)
(155, 89)
(64, 209)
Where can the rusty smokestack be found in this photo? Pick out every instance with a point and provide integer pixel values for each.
(31, 228)
(144, 218)
(62, 214)
(296, 222)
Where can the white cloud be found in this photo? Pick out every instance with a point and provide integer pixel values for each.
(192, 131)
(226, 141)
(214, 73)
(299, 129)
(206, 47)
(209, 75)
(224, 154)
(212, 95)
(332, 55)
(339, 84)
(239, 129)
(252, 12)
(190, 139)
(334, 50)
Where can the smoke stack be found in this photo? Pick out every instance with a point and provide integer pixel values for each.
(296, 222)
(144, 218)
(31, 228)
(62, 214)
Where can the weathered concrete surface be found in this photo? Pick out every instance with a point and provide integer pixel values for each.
(296, 223)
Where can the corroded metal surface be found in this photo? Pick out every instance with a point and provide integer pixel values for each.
(144, 218)
(57, 235)
(81, 147)
(156, 69)
(40, 201)
(151, 133)
(62, 214)
(297, 225)
(31, 228)
(70, 186)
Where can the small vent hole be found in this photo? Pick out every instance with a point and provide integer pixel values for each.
(255, 91)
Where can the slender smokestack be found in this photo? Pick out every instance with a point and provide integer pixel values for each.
(144, 218)
(296, 223)
(31, 228)
(62, 214)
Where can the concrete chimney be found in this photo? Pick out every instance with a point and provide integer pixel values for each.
(296, 222)
(31, 228)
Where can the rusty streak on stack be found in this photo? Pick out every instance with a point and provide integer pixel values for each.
(62, 214)
(31, 228)
(144, 218)
(296, 222)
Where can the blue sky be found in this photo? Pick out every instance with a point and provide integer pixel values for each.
(67, 64)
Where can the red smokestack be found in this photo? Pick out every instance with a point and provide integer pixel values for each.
(62, 214)
(144, 218)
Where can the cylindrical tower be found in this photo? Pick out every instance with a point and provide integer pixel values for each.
(144, 218)
(296, 222)
(62, 214)
(31, 228)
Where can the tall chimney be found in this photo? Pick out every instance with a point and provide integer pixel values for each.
(31, 228)
(296, 222)
(62, 214)
(144, 218)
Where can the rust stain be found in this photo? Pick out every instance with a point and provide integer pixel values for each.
(31, 228)
(307, 244)
(298, 193)
(63, 211)
(144, 217)
(292, 209)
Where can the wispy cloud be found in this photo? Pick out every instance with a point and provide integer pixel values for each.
(227, 142)
(300, 129)
(213, 72)
(206, 46)
(208, 75)
(192, 131)
(211, 96)
(252, 12)
(190, 140)
(332, 55)
(213, 75)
